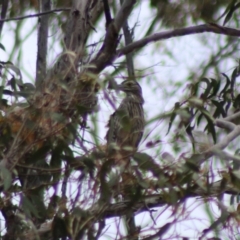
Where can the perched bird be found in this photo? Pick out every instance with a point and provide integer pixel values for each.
(126, 124)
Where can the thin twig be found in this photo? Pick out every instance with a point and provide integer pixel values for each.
(35, 15)
(3, 13)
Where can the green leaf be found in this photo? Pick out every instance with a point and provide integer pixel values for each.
(219, 109)
(199, 118)
(28, 207)
(232, 9)
(236, 102)
(56, 162)
(235, 180)
(7, 178)
(204, 80)
(231, 4)
(228, 82)
(173, 115)
(16, 70)
(2, 47)
(58, 117)
(146, 163)
(215, 87)
(210, 126)
(235, 74)
(208, 89)
(59, 228)
(192, 164)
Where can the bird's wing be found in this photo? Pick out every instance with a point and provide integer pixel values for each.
(116, 125)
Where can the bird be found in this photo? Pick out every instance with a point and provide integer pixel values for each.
(126, 124)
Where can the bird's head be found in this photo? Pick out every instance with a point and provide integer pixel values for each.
(130, 86)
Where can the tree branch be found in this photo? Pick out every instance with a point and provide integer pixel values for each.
(105, 55)
(232, 117)
(107, 12)
(123, 13)
(222, 123)
(34, 15)
(129, 56)
(129, 218)
(214, 28)
(96, 212)
(200, 158)
(42, 43)
(3, 13)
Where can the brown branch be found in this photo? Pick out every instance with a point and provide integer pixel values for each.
(148, 202)
(129, 218)
(214, 28)
(123, 13)
(42, 43)
(107, 52)
(107, 12)
(157, 200)
(129, 56)
(35, 15)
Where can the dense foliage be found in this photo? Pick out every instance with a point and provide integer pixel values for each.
(56, 180)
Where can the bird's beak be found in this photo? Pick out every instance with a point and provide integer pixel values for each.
(120, 87)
